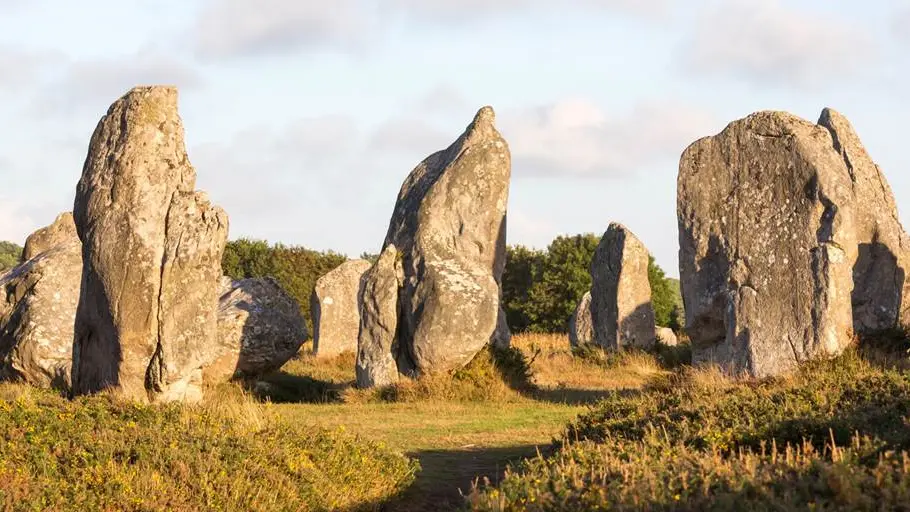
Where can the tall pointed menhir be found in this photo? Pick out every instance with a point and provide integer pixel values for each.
(448, 234)
(152, 252)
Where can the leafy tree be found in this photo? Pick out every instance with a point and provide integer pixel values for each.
(522, 268)
(663, 296)
(542, 288)
(10, 255)
(295, 268)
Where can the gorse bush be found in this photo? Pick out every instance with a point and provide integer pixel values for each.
(832, 437)
(99, 454)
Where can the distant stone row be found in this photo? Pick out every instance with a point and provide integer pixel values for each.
(789, 246)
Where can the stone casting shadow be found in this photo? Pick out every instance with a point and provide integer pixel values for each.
(878, 286)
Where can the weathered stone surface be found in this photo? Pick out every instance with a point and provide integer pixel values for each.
(259, 329)
(581, 328)
(621, 311)
(333, 306)
(63, 230)
(768, 241)
(666, 336)
(880, 270)
(39, 306)
(377, 343)
(449, 227)
(152, 256)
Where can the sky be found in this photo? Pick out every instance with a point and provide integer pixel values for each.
(303, 118)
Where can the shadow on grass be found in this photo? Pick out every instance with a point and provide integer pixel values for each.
(446, 476)
(283, 388)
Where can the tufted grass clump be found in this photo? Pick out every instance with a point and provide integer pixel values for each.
(230, 453)
(833, 436)
(493, 375)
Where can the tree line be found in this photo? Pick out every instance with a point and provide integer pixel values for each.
(541, 287)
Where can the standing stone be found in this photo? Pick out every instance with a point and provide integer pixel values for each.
(39, 306)
(768, 242)
(581, 327)
(378, 343)
(63, 230)
(666, 336)
(333, 306)
(880, 271)
(259, 329)
(152, 252)
(621, 311)
(449, 227)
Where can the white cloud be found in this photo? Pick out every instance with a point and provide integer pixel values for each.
(23, 68)
(90, 86)
(409, 136)
(230, 28)
(902, 25)
(15, 223)
(768, 42)
(473, 10)
(575, 137)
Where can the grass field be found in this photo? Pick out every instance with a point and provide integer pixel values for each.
(468, 436)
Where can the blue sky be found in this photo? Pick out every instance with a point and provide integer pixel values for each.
(304, 117)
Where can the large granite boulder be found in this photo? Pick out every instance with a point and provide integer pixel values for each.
(448, 228)
(581, 327)
(333, 306)
(789, 243)
(38, 307)
(152, 252)
(621, 311)
(259, 329)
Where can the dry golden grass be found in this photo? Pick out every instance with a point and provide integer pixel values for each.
(555, 367)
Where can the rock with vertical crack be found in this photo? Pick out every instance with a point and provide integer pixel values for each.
(621, 311)
(768, 242)
(38, 308)
(449, 227)
(152, 250)
(880, 272)
(581, 329)
(333, 306)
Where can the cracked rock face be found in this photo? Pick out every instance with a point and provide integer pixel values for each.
(789, 241)
(621, 311)
(448, 229)
(152, 250)
(38, 308)
(259, 329)
(333, 306)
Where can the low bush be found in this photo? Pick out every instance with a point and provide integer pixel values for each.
(833, 436)
(98, 453)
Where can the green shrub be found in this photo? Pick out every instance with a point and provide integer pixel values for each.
(99, 454)
(831, 437)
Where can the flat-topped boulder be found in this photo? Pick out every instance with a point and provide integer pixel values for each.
(152, 249)
(333, 306)
(789, 243)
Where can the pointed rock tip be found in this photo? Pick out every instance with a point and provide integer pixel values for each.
(484, 117)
